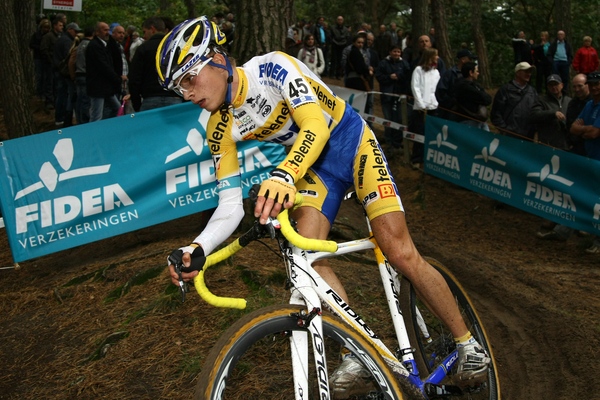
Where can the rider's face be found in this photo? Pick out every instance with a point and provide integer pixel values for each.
(209, 87)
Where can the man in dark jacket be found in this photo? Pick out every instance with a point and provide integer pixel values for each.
(513, 103)
(340, 38)
(549, 114)
(65, 87)
(470, 97)
(393, 74)
(103, 83)
(146, 92)
(560, 54)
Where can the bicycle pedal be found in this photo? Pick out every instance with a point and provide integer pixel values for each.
(434, 391)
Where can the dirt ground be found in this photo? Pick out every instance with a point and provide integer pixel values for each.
(102, 322)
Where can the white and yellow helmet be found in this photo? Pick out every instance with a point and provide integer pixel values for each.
(186, 45)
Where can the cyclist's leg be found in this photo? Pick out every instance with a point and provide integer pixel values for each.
(377, 190)
(312, 223)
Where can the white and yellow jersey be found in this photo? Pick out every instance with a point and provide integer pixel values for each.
(280, 100)
(276, 95)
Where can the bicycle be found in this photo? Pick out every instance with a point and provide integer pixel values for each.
(421, 366)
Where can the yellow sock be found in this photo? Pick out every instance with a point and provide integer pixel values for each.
(463, 339)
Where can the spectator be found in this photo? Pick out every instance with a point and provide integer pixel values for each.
(115, 46)
(41, 65)
(393, 74)
(136, 41)
(312, 56)
(82, 101)
(542, 64)
(298, 27)
(425, 43)
(169, 24)
(587, 124)
(513, 102)
(322, 39)
(406, 41)
(103, 82)
(372, 62)
(129, 41)
(146, 92)
(340, 36)
(358, 71)
(585, 60)
(445, 91)
(383, 42)
(293, 44)
(65, 87)
(424, 80)
(470, 96)
(407, 48)
(581, 95)
(549, 114)
(47, 49)
(522, 48)
(561, 54)
(395, 35)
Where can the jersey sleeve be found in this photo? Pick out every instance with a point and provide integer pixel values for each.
(230, 209)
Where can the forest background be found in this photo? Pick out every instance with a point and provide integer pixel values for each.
(486, 27)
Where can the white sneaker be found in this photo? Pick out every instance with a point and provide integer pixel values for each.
(351, 378)
(473, 362)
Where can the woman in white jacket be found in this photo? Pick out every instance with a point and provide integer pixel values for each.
(424, 80)
(311, 55)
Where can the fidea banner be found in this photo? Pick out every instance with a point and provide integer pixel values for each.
(65, 188)
(538, 179)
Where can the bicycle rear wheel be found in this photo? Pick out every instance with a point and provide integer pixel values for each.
(251, 360)
(431, 351)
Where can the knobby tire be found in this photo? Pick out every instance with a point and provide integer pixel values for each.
(252, 360)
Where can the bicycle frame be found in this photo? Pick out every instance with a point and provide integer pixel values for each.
(309, 289)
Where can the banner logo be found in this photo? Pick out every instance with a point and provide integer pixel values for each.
(49, 176)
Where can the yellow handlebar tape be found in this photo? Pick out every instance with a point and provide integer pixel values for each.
(226, 252)
(200, 285)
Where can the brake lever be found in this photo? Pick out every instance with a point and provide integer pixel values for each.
(183, 287)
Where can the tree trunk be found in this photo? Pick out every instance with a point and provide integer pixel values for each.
(24, 12)
(442, 43)
(14, 95)
(261, 27)
(562, 9)
(420, 22)
(190, 6)
(480, 47)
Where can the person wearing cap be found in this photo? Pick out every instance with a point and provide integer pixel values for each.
(445, 90)
(513, 103)
(65, 87)
(549, 114)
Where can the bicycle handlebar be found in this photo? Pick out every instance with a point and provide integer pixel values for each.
(288, 232)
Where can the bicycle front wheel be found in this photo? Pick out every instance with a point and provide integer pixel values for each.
(434, 341)
(251, 360)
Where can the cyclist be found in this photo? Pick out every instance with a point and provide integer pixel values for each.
(276, 98)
